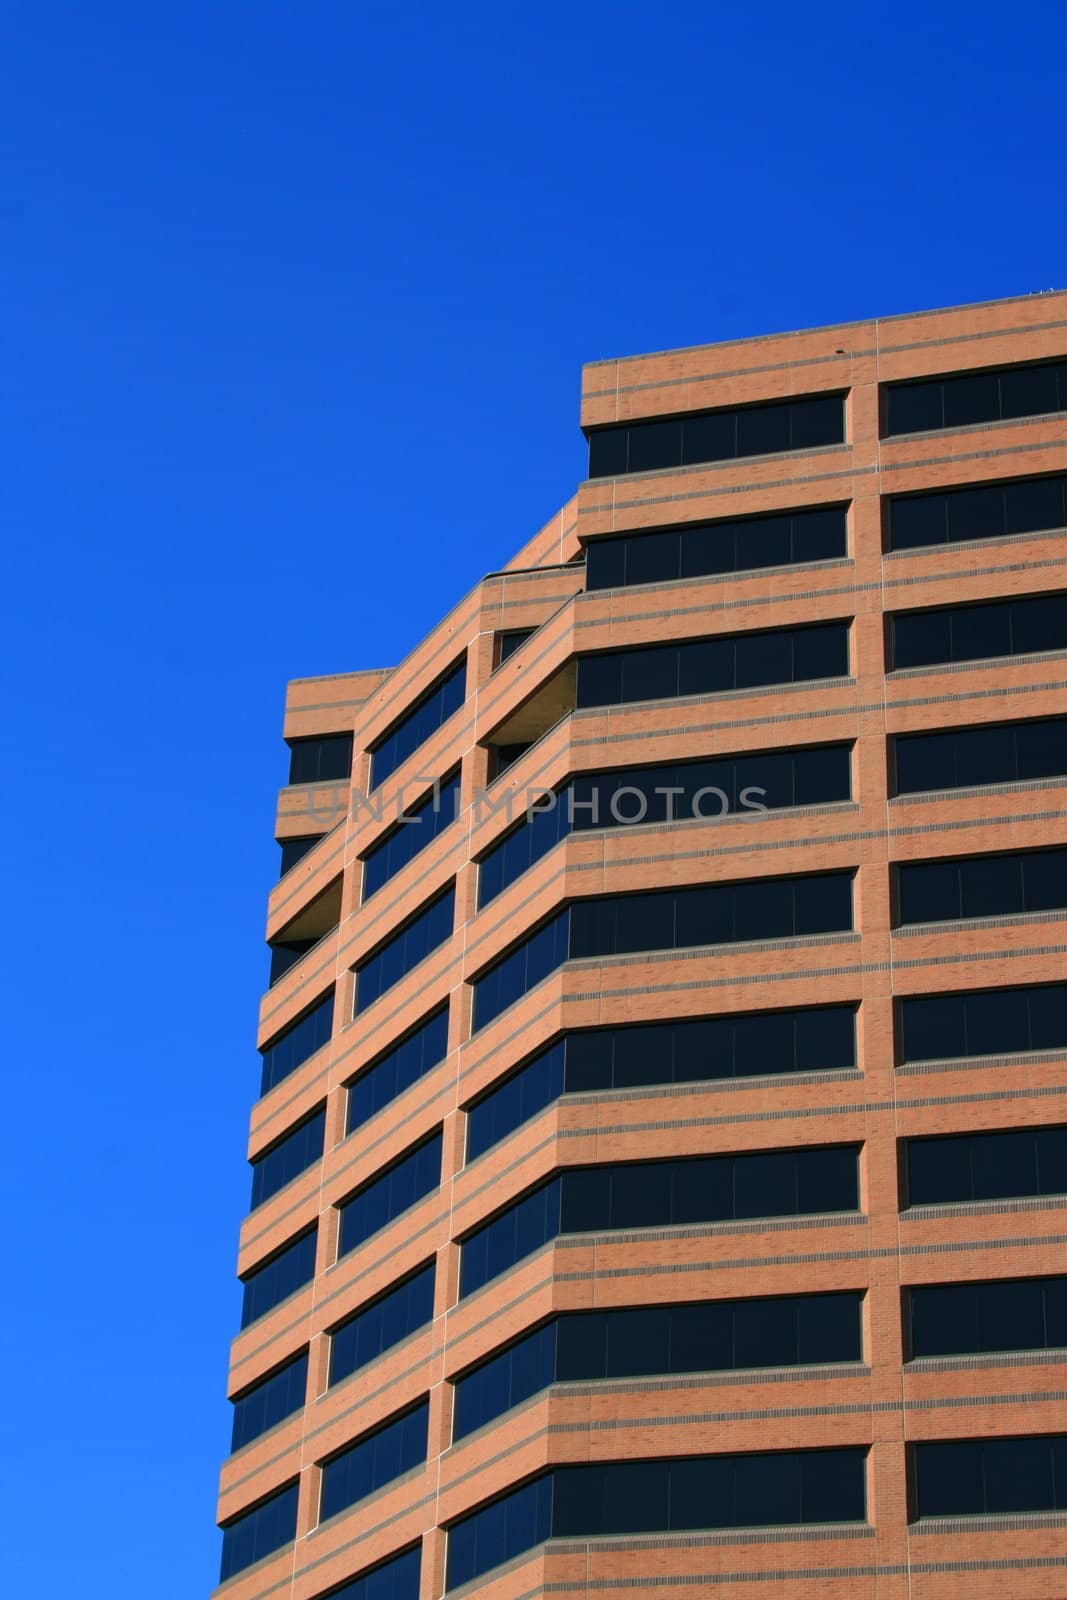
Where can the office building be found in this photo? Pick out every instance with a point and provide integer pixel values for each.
(660, 1171)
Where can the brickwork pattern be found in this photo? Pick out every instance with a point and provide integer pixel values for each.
(882, 1404)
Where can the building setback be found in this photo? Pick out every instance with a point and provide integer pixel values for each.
(663, 1187)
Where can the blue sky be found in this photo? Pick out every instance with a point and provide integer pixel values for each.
(295, 299)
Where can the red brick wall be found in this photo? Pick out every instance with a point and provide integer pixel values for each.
(883, 1405)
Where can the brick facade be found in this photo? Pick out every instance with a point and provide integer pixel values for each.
(881, 1404)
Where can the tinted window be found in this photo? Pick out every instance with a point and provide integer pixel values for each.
(682, 792)
(522, 1096)
(983, 1022)
(509, 1378)
(270, 1401)
(973, 1318)
(294, 850)
(982, 886)
(1004, 752)
(399, 1188)
(702, 1189)
(661, 1339)
(374, 1461)
(971, 633)
(821, 1038)
(975, 397)
(419, 828)
(297, 1043)
(986, 1477)
(382, 1324)
(429, 713)
(682, 1494)
(963, 1168)
(412, 944)
(259, 1532)
(378, 1085)
(708, 548)
(397, 1579)
(714, 666)
(508, 642)
(666, 920)
(318, 760)
(278, 1278)
(993, 511)
(717, 435)
(288, 1158)
(521, 970)
(498, 1531)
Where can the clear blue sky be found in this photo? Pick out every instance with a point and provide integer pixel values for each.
(294, 302)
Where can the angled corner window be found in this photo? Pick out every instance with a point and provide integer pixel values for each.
(416, 830)
(405, 949)
(297, 1043)
(430, 712)
(289, 1269)
(389, 1195)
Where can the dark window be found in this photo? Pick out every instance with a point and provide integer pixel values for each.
(983, 1022)
(710, 1336)
(278, 1278)
(288, 1158)
(297, 1043)
(378, 1085)
(502, 756)
(418, 829)
(396, 1579)
(259, 1532)
(684, 1494)
(649, 1194)
(714, 666)
(294, 850)
(548, 821)
(525, 967)
(286, 954)
(319, 760)
(982, 886)
(395, 1191)
(429, 713)
(382, 1324)
(681, 792)
(374, 1461)
(1000, 752)
(952, 1319)
(404, 950)
(992, 511)
(514, 1375)
(509, 641)
(270, 1401)
(497, 1532)
(965, 1168)
(986, 1477)
(820, 1038)
(522, 1096)
(703, 549)
(973, 633)
(717, 435)
(667, 920)
(975, 397)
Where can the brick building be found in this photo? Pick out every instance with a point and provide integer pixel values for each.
(661, 1186)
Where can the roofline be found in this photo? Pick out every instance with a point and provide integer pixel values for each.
(826, 327)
